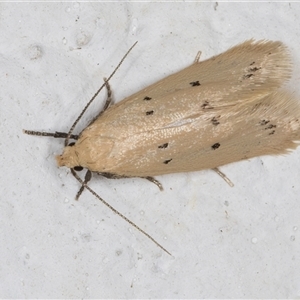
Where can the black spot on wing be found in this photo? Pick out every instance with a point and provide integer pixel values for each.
(269, 126)
(206, 105)
(150, 112)
(264, 122)
(247, 76)
(254, 69)
(167, 161)
(215, 146)
(215, 120)
(195, 83)
(251, 71)
(163, 146)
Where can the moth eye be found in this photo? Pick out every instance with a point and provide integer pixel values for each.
(78, 168)
(71, 144)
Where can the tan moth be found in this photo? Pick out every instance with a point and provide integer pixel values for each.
(218, 111)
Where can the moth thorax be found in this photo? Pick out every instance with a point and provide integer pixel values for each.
(68, 159)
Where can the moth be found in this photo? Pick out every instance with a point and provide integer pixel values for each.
(221, 110)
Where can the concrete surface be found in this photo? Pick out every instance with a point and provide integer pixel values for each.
(240, 242)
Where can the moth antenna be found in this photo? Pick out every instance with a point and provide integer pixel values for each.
(55, 134)
(116, 212)
(223, 176)
(106, 105)
(109, 97)
(96, 94)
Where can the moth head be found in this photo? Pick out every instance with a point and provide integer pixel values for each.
(68, 158)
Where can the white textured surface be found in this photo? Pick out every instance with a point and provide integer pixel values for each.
(227, 242)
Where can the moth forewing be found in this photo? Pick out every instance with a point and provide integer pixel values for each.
(195, 119)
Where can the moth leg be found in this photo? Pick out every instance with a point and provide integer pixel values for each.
(114, 176)
(55, 134)
(87, 178)
(197, 58)
(155, 181)
(107, 102)
(109, 96)
(223, 176)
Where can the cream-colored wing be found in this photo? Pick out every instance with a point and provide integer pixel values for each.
(269, 125)
(196, 118)
(241, 74)
(253, 66)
